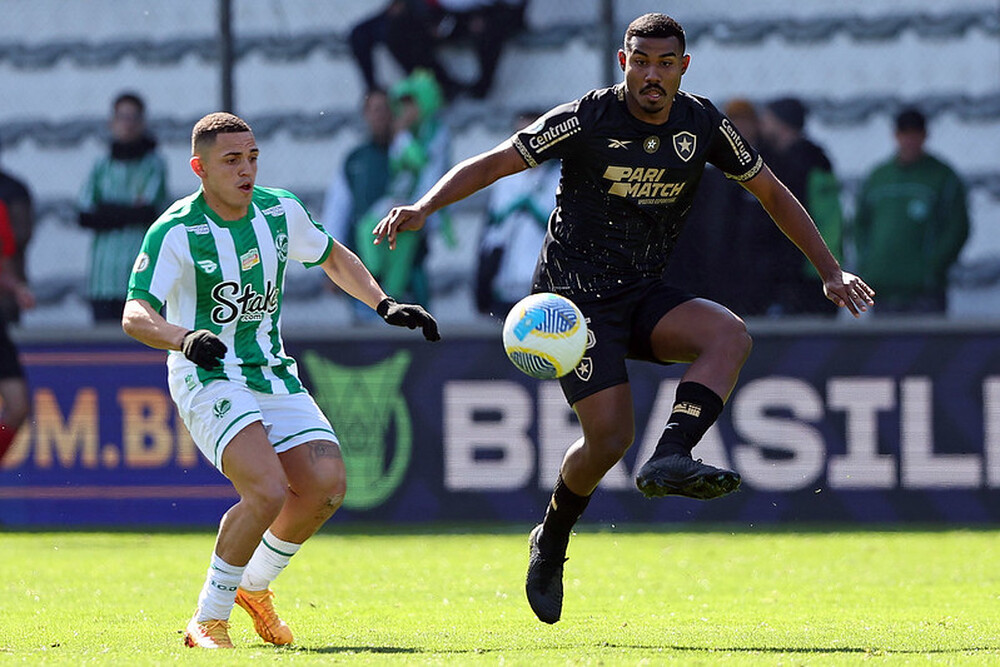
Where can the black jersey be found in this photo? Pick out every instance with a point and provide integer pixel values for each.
(626, 186)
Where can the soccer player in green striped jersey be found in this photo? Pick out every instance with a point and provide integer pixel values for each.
(215, 260)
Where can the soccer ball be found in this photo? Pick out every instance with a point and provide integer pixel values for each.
(545, 335)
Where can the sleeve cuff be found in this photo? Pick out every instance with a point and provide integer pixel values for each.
(323, 257)
(147, 297)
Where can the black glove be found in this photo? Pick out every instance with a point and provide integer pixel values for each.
(408, 315)
(117, 216)
(203, 348)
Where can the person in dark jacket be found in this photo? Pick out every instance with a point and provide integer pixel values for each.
(804, 168)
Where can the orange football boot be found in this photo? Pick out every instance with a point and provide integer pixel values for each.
(265, 620)
(207, 634)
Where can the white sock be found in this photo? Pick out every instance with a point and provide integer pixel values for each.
(267, 562)
(219, 592)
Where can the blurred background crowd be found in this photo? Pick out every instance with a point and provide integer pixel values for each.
(882, 116)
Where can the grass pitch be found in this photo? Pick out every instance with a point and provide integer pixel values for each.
(450, 597)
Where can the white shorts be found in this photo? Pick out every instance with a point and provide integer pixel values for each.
(215, 413)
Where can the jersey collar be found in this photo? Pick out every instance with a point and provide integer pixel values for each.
(214, 217)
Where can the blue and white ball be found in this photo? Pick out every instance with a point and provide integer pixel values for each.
(545, 335)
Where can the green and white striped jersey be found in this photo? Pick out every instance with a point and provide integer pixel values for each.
(228, 277)
(131, 183)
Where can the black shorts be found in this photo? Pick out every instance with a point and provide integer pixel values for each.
(10, 364)
(620, 326)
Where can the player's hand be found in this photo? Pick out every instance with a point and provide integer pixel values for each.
(408, 315)
(203, 348)
(849, 291)
(399, 219)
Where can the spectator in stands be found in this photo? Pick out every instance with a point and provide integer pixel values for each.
(407, 28)
(413, 30)
(418, 156)
(15, 400)
(17, 198)
(804, 167)
(487, 25)
(727, 232)
(911, 223)
(517, 216)
(125, 191)
(364, 176)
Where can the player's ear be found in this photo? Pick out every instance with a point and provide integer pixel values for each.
(686, 60)
(197, 167)
(621, 59)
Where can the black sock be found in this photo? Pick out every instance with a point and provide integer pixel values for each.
(696, 407)
(564, 510)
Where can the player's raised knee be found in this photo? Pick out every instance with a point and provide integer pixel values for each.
(334, 489)
(733, 336)
(265, 500)
(334, 501)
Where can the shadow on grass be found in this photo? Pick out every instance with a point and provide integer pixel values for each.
(359, 650)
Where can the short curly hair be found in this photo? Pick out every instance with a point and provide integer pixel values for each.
(655, 25)
(208, 128)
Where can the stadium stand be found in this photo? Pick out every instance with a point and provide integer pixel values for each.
(854, 63)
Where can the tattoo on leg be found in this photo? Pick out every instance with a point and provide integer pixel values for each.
(319, 449)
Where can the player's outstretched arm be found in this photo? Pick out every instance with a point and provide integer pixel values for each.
(142, 322)
(464, 179)
(845, 289)
(349, 273)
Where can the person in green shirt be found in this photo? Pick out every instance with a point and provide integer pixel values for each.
(124, 192)
(911, 222)
(214, 263)
(418, 156)
(360, 181)
(364, 175)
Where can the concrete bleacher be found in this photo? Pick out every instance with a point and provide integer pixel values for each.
(854, 63)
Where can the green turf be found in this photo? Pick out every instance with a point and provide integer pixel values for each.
(713, 597)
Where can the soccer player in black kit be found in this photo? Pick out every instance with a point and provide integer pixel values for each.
(632, 156)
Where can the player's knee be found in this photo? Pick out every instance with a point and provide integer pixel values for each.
(336, 489)
(747, 343)
(266, 500)
(327, 504)
(610, 448)
(734, 338)
(333, 502)
(618, 446)
(327, 495)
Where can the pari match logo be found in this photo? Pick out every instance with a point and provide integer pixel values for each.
(372, 420)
